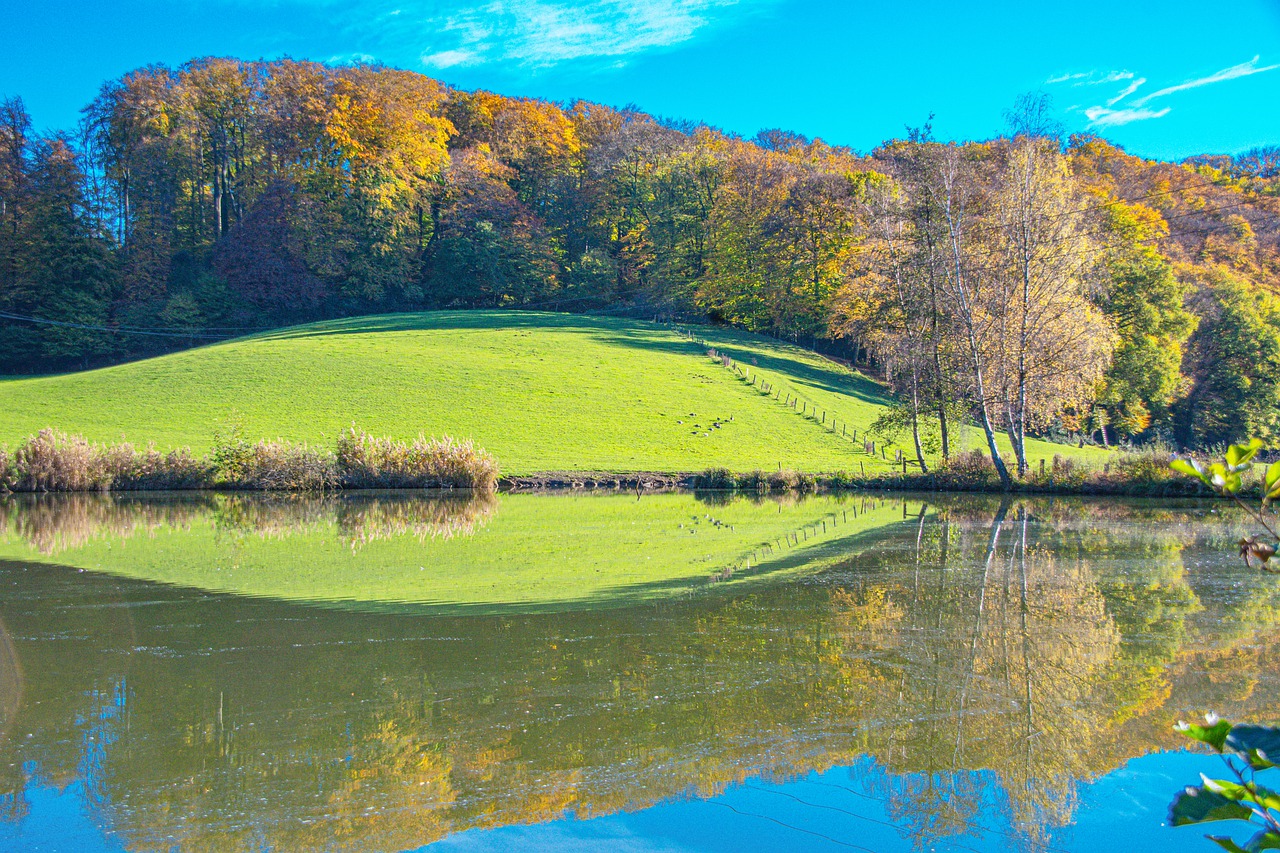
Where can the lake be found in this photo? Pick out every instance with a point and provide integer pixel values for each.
(669, 672)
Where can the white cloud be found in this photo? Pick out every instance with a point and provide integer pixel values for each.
(525, 34)
(1091, 78)
(1126, 92)
(351, 59)
(1244, 69)
(1105, 117)
(547, 32)
(449, 58)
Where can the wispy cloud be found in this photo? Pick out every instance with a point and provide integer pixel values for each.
(542, 33)
(524, 35)
(450, 58)
(1108, 114)
(1091, 78)
(1244, 69)
(1105, 117)
(1126, 91)
(351, 59)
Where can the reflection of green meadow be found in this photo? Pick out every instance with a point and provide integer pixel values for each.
(528, 550)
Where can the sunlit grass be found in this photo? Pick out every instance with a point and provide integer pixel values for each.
(540, 392)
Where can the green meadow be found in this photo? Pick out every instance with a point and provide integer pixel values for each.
(540, 391)
(524, 552)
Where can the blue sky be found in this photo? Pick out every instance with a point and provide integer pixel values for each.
(1164, 79)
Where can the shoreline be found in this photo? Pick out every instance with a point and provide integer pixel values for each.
(939, 483)
(657, 482)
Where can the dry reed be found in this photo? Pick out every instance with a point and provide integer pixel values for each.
(52, 461)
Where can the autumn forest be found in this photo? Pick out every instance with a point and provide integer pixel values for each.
(1031, 284)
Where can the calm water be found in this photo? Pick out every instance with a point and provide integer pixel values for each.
(673, 673)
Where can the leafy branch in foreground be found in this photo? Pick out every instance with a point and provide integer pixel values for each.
(1227, 478)
(1246, 750)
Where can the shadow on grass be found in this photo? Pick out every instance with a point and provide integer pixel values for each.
(626, 333)
(487, 319)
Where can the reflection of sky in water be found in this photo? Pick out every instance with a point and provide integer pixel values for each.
(1123, 810)
(57, 821)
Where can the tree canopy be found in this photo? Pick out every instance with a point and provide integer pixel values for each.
(1027, 283)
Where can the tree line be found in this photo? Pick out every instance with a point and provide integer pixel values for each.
(1034, 284)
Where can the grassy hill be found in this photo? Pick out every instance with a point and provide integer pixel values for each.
(542, 392)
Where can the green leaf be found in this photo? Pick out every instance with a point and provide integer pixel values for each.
(1249, 793)
(1259, 745)
(1192, 468)
(1214, 732)
(1198, 805)
(1239, 455)
(1271, 482)
(1226, 843)
(1264, 840)
(1223, 479)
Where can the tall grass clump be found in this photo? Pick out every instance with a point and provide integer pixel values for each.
(715, 478)
(368, 462)
(6, 469)
(127, 469)
(51, 461)
(759, 482)
(971, 471)
(284, 466)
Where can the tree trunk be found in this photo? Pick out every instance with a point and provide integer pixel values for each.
(915, 418)
(944, 428)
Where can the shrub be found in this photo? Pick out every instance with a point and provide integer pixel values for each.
(231, 453)
(1147, 467)
(973, 470)
(715, 478)
(365, 462)
(783, 481)
(52, 461)
(131, 470)
(1067, 473)
(282, 466)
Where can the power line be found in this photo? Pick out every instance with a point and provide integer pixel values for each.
(119, 330)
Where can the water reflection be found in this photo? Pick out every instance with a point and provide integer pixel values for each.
(472, 552)
(52, 524)
(976, 661)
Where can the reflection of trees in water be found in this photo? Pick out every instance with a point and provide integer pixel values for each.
(52, 524)
(1029, 640)
(959, 656)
